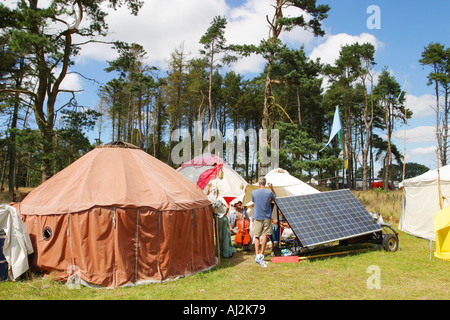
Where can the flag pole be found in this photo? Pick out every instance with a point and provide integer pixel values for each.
(342, 138)
(217, 214)
(404, 156)
(345, 158)
(404, 133)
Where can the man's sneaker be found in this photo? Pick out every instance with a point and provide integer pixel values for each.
(260, 259)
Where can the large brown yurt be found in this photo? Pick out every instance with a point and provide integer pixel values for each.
(119, 216)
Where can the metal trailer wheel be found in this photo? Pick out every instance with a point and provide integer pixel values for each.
(390, 242)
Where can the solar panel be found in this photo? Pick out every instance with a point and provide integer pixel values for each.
(326, 217)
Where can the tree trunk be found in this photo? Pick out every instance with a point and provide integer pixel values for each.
(274, 32)
(368, 125)
(12, 150)
(299, 110)
(211, 109)
(140, 138)
(48, 91)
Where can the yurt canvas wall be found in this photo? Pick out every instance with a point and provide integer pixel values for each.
(118, 216)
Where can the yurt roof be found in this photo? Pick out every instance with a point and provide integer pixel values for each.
(116, 174)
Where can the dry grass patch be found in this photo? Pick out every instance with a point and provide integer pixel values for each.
(387, 203)
(6, 197)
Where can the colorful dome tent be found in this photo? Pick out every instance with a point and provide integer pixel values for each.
(203, 170)
(120, 217)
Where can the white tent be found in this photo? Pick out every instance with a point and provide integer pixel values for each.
(421, 202)
(230, 184)
(283, 183)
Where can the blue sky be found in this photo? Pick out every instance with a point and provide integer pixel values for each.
(406, 27)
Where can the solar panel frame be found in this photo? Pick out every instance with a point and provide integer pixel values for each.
(326, 217)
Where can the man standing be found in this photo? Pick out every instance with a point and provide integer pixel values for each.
(262, 218)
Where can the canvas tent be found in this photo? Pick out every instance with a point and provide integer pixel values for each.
(120, 217)
(421, 202)
(203, 170)
(284, 184)
(442, 230)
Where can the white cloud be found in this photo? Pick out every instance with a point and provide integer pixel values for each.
(422, 106)
(328, 51)
(162, 26)
(423, 155)
(431, 150)
(252, 64)
(71, 81)
(420, 144)
(247, 24)
(419, 134)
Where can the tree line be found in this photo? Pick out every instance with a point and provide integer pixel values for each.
(143, 105)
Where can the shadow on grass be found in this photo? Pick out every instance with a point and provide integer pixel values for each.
(339, 252)
(326, 253)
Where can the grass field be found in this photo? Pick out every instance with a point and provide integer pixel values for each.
(368, 273)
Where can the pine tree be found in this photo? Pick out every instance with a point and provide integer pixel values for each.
(46, 37)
